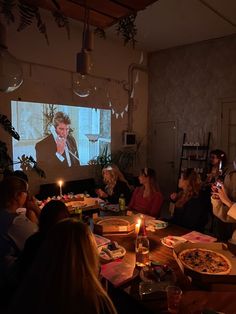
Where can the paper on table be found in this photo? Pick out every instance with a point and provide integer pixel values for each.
(118, 272)
(195, 237)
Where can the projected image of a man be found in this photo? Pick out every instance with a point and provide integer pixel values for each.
(59, 148)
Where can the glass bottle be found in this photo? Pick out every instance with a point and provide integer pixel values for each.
(142, 246)
(122, 202)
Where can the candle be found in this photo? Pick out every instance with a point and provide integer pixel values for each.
(60, 186)
(137, 226)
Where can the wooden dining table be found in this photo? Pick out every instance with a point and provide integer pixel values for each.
(196, 298)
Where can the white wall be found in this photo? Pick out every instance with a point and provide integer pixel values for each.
(48, 78)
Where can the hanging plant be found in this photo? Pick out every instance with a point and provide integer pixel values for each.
(7, 7)
(29, 12)
(100, 32)
(60, 19)
(127, 28)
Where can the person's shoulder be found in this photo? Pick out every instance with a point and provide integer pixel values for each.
(46, 139)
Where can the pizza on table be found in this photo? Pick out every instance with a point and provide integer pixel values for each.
(205, 261)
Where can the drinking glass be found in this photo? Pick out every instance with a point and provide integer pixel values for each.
(145, 287)
(142, 251)
(174, 295)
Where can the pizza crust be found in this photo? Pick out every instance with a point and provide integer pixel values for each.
(205, 261)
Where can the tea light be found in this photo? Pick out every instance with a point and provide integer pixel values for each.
(60, 183)
(137, 226)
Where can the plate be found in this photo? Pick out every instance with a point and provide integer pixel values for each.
(107, 255)
(171, 241)
(157, 224)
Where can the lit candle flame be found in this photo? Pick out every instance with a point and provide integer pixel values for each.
(60, 183)
(137, 226)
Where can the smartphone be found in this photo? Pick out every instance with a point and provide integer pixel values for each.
(219, 184)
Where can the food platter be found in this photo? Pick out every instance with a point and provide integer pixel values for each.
(171, 241)
(156, 224)
(111, 252)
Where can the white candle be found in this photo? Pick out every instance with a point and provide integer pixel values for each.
(60, 186)
(137, 226)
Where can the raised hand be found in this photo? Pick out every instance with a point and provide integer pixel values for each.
(61, 144)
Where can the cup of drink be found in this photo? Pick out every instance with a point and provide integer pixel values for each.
(174, 295)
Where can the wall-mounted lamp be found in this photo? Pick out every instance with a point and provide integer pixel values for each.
(81, 86)
(11, 74)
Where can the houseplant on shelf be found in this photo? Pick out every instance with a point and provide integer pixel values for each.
(6, 162)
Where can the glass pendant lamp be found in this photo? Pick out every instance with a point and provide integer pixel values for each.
(11, 74)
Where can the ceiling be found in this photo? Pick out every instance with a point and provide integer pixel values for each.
(170, 23)
(102, 13)
(161, 24)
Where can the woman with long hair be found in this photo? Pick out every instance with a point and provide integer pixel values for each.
(115, 185)
(190, 204)
(51, 213)
(147, 199)
(64, 277)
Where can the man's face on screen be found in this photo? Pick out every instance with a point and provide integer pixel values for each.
(63, 130)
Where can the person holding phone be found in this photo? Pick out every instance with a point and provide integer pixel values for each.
(59, 149)
(224, 203)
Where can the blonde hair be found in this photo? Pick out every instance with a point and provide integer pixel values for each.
(115, 175)
(64, 277)
(193, 187)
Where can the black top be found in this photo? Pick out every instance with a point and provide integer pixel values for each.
(120, 188)
(193, 215)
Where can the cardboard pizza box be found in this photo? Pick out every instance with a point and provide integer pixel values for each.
(206, 278)
(114, 225)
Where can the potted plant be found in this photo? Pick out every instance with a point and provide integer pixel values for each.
(6, 162)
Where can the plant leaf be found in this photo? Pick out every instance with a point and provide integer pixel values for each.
(27, 14)
(8, 127)
(127, 28)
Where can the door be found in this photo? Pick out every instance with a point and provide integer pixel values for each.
(164, 156)
(228, 130)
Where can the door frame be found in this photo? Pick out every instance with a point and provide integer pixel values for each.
(222, 101)
(175, 140)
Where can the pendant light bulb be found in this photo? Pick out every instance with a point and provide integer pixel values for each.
(11, 74)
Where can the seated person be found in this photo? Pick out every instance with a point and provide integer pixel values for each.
(116, 184)
(33, 211)
(190, 205)
(224, 202)
(15, 228)
(147, 199)
(64, 275)
(51, 213)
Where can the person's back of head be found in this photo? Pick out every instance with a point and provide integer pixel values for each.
(10, 187)
(20, 174)
(194, 180)
(51, 213)
(65, 274)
